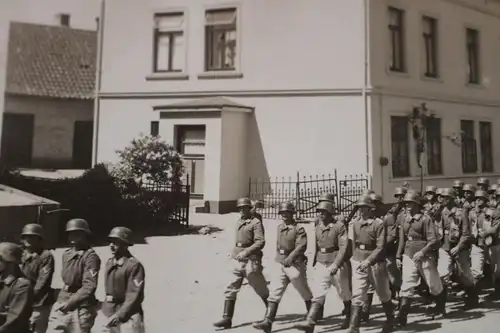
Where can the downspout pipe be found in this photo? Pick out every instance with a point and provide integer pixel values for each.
(98, 79)
(366, 11)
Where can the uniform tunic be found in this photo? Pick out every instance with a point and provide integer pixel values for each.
(124, 286)
(16, 301)
(478, 224)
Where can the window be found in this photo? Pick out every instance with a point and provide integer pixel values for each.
(400, 147)
(486, 144)
(429, 35)
(64, 20)
(469, 150)
(190, 140)
(434, 157)
(472, 44)
(169, 43)
(220, 40)
(396, 37)
(155, 128)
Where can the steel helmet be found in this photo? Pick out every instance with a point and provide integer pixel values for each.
(399, 191)
(257, 204)
(78, 225)
(376, 198)
(121, 233)
(469, 188)
(483, 181)
(325, 206)
(330, 197)
(493, 188)
(431, 189)
(439, 191)
(32, 229)
(287, 207)
(365, 201)
(243, 202)
(11, 252)
(481, 194)
(458, 184)
(448, 192)
(497, 192)
(412, 196)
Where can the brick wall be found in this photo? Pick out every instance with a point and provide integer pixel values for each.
(54, 126)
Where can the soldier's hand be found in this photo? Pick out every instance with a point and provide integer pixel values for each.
(364, 266)
(399, 263)
(418, 256)
(288, 262)
(454, 251)
(333, 270)
(241, 256)
(112, 321)
(62, 308)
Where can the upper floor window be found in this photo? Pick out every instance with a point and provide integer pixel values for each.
(397, 42)
(220, 39)
(429, 35)
(486, 145)
(434, 154)
(472, 45)
(469, 148)
(400, 146)
(169, 43)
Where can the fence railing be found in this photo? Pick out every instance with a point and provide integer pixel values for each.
(305, 191)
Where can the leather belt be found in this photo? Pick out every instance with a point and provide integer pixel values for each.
(328, 249)
(285, 252)
(415, 238)
(243, 246)
(70, 289)
(365, 247)
(111, 299)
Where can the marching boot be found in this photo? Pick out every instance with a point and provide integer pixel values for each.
(312, 317)
(404, 310)
(308, 307)
(389, 314)
(264, 299)
(496, 293)
(365, 313)
(347, 319)
(321, 313)
(439, 310)
(266, 325)
(471, 298)
(227, 317)
(355, 320)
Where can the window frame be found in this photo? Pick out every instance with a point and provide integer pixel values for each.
(403, 141)
(431, 45)
(397, 37)
(179, 139)
(468, 147)
(154, 128)
(209, 31)
(473, 54)
(486, 146)
(172, 34)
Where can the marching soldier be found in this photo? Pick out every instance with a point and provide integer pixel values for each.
(331, 265)
(76, 306)
(454, 228)
(458, 187)
(483, 184)
(469, 198)
(124, 286)
(399, 194)
(430, 198)
(325, 197)
(257, 204)
(290, 255)
(494, 199)
(246, 261)
(16, 293)
(491, 234)
(38, 266)
(368, 264)
(417, 252)
(478, 224)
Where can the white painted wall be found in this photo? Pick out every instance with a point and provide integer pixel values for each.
(307, 44)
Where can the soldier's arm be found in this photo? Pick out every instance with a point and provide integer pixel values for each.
(45, 274)
(466, 235)
(259, 240)
(402, 239)
(431, 235)
(391, 228)
(19, 307)
(300, 243)
(135, 293)
(91, 267)
(343, 245)
(380, 234)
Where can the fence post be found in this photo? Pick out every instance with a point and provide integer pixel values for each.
(297, 194)
(337, 189)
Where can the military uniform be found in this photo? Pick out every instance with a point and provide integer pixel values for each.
(16, 293)
(492, 239)
(38, 267)
(483, 184)
(124, 279)
(368, 265)
(80, 273)
(246, 262)
(454, 228)
(478, 224)
(417, 234)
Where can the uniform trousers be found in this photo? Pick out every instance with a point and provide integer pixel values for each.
(80, 320)
(296, 275)
(323, 281)
(251, 269)
(412, 273)
(477, 257)
(40, 318)
(494, 252)
(394, 272)
(375, 275)
(134, 325)
(446, 265)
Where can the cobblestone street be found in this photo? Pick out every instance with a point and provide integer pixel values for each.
(186, 278)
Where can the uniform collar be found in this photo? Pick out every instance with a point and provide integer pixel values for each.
(244, 221)
(366, 222)
(327, 226)
(285, 226)
(28, 256)
(77, 253)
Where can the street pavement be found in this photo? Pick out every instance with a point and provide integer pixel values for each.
(186, 276)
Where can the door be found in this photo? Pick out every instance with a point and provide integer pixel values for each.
(17, 139)
(191, 144)
(82, 144)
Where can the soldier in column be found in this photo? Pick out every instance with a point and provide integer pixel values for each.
(38, 266)
(417, 252)
(76, 305)
(491, 233)
(368, 264)
(325, 197)
(477, 221)
(469, 199)
(124, 285)
(483, 184)
(246, 262)
(331, 265)
(256, 205)
(397, 208)
(494, 197)
(458, 192)
(430, 199)
(290, 256)
(455, 229)
(16, 292)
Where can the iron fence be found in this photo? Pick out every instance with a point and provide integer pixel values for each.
(305, 191)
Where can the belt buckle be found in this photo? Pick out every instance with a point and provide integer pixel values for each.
(109, 298)
(410, 238)
(322, 250)
(239, 244)
(281, 251)
(65, 287)
(362, 246)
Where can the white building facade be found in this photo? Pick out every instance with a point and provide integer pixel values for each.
(256, 88)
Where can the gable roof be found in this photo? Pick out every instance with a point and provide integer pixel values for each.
(51, 61)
